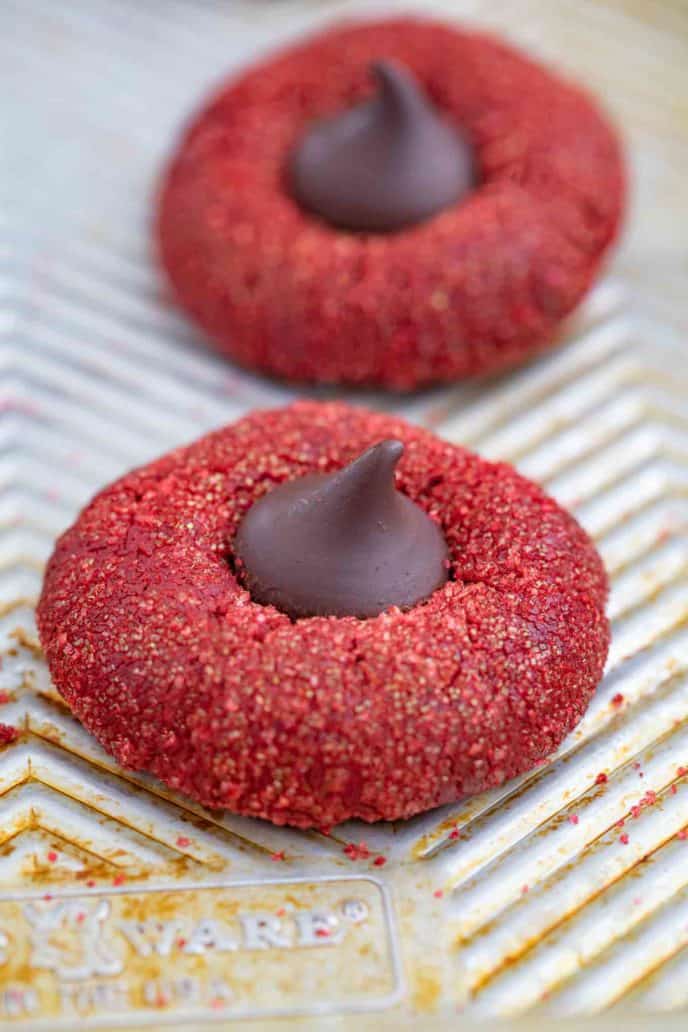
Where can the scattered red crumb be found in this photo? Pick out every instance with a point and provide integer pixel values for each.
(52, 856)
(438, 893)
(80, 917)
(280, 912)
(278, 856)
(682, 834)
(8, 734)
(617, 700)
(573, 818)
(181, 943)
(219, 756)
(636, 765)
(183, 841)
(636, 811)
(356, 852)
(217, 1003)
(47, 896)
(681, 772)
(4, 697)
(674, 789)
(322, 933)
(601, 779)
(624, 839)
(620, 823)
(379, 861)
(90, 883)
(119, 879)
(641, 774)
(525, 889)
(454, 833)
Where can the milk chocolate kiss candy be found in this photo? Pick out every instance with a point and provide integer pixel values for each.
(341, 544)
(385, 164)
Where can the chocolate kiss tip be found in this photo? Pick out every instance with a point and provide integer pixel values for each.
(342, 544)
(385, 164)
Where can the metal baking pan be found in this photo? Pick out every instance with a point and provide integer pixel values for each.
(123, 906)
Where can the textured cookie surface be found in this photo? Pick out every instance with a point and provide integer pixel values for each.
(477, 287)
(165, 658)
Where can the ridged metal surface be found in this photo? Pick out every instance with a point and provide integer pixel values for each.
(532, 899)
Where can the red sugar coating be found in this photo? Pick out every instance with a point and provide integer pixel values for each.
(476, 288)
(164, 657)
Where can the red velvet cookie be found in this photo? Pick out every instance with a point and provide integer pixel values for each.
(162, 653)
(474, 288)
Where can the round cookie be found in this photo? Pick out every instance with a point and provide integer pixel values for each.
(475, 288)
(161, 652)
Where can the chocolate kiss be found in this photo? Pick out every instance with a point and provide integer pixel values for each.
(341, 544)
(384, 165)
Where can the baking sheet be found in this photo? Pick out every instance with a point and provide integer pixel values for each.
(109, 884)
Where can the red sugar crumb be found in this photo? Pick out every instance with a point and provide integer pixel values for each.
(438, 893)
(90, 883)
(4, 697)
(682, 834)
(455, 833)
(636, 765)
(8, 734)
(52, 856)
(181, 943)
(183, 841)
(681, 772)
(601, 779)
(617, 700)
(674, 789)
(342, 679)
(620, 823)
(119, 879)
(356, 852)
(278, 856)
(573, 818)
(624, 839)
(47, 896)
(280, 912)
(217, 1003)
(525, 889)
(322, 933)
(379, 861)
(636, 811)
(80, 917)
